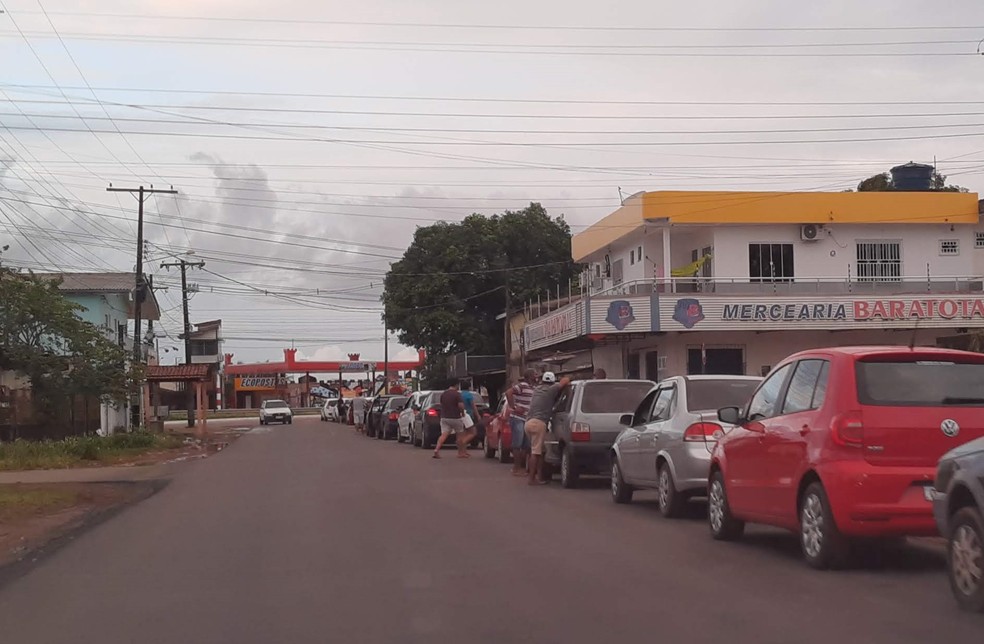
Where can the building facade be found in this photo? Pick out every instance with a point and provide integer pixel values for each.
(732, 282)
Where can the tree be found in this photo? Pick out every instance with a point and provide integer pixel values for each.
(445, 293)
(42, 337)
(883, 183)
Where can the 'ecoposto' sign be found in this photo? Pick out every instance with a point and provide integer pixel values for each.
(259, 383)
(837, 312)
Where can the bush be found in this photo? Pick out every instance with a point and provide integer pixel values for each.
(22, 454)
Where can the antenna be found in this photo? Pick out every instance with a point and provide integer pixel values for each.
(621, 199)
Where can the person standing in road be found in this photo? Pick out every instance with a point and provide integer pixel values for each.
(519, 397)
(471, 400)
(359, 412)
(541, 409)
(452, 418)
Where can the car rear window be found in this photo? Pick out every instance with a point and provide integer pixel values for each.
(703, 395)
(602, 397)
(274, 403)
(922, 383)
(396, 402)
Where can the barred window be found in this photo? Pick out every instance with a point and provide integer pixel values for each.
(879, 261)
(949, 247)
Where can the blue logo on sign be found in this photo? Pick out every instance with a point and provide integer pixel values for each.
(620, 314)
(688, 312)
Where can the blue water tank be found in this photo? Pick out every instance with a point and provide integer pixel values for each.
(913, 177)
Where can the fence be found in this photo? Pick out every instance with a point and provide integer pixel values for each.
(19, 417)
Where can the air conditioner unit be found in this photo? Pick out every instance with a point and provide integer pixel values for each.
(809, 232)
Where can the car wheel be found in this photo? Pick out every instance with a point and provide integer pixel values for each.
(671, 502)
(568, 469)
(724, 526)
(424, 442)
(965, 559)
(621, 491)
(822, 543)
(262, 422)
(399, 437)
(489, 453)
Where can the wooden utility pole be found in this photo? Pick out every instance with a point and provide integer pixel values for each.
(139, 290)
(183, 264)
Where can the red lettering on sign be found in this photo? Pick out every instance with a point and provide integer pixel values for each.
(931, 308)
(862, 310)
(978, 309)
(878, 311)
(948, 309)
(916, 310)
(896, 309)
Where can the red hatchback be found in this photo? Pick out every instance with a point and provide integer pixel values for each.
(842, 443)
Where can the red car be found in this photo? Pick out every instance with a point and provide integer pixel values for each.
(842, 443)
(498, 436)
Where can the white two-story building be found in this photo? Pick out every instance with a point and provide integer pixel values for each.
(732, 282)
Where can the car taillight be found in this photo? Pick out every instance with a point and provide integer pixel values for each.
(847, 429)
(393, 415)
(702, 433)
(432, 412)
(580, 432)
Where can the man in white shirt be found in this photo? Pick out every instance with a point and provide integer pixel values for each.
(359, 412)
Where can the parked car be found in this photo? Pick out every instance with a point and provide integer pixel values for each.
(276, 411)
(842, 443)
(387, 416)
(497, 443)
(427, 425)
(329, 411)
(586, 421)
(668, 442)
(374, 409)
(959, 509)
(410, 411)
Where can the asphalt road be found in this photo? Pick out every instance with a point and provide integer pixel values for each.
(310, 533)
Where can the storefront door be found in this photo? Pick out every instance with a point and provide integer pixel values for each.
(716, 361)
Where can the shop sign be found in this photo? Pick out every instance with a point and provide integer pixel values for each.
(839, 312)
(628, 314)
(357, 366)
(260, 383)
(563, 324)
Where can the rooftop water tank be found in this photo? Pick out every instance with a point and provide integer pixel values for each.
(912, 176)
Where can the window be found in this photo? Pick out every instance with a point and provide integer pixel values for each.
(922, 383)
(979, 239)
(631, 257)
(705, 269)
(803, 386)
(641, 415)
(712, 395)
(820, 393)
(612, 397)
(663, 408)
(879, 261)
(949, 247)
(639, 253)
(763, 403)
(617, 272)
(770, 262)
(565, 399)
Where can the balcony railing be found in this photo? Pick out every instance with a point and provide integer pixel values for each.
(798, 286)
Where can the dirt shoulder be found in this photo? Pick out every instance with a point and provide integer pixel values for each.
(35, 517)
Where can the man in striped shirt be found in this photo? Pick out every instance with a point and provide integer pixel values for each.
(519, 398)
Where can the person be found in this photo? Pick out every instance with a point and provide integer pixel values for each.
(359, 411)
(471, 400)
(452, 421)
(518, 398)
(541, 409)
(600, 374)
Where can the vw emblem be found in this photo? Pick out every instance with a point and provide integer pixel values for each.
(950, 427)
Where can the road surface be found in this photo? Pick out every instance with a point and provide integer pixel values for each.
(310, 533)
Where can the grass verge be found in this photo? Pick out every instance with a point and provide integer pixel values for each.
(81, 450)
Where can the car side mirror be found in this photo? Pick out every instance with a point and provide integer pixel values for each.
(730, 415)
(625, 419)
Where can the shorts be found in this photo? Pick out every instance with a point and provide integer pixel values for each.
(536, 430)
(519, 438)
(452, 425)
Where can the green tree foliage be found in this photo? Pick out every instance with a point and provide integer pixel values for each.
(883, 183)
(42, 337)
(446, 291)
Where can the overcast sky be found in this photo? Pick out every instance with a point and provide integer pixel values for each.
(309, 139)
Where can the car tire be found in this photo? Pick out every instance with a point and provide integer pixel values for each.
(822, 543)
(502, 453)
(724, 526)
(399, 437)
(621, 491)
(965, 545)
(569, 474)
(262, 422)
(671, 501)
(489, 453)
(423, 439)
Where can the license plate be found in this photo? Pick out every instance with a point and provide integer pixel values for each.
(928, 493)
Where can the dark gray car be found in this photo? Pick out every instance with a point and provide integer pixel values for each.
(958, 503)
(586, 422)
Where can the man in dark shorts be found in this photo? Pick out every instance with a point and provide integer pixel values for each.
(452, 417)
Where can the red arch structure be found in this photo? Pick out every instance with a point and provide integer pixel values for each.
(290, 364)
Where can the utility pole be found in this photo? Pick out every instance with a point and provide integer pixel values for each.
(183, 264)
(386, 356)
(139, 293)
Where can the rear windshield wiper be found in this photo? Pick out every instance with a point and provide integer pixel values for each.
(962, 401)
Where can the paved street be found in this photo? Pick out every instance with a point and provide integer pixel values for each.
(310, 533)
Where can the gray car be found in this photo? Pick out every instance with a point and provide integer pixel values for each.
(958, 503)
(585, 424)
(667, 443)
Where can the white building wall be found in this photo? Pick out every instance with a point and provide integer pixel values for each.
(609, 358)
(835, 253)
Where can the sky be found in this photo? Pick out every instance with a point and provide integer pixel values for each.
(307, 140)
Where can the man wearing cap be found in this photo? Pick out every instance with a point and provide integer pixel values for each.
(541, 410)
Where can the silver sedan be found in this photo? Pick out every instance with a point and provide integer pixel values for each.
(667, 442)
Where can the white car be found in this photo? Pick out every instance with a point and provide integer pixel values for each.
(329, 412)
(407, 415)
(276, 411)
